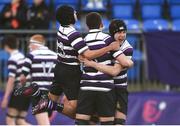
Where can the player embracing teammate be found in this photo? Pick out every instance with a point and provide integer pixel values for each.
(94, 90)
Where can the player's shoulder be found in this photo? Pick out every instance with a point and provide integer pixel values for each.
(16, 56)
(45, 51)
(52, 52)
(126, 44)
(104, 35)
(68, 31)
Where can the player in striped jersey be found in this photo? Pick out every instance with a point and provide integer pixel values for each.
(16, 110)
(118, 30)
(68, 64)
(40, 63)
(67, 71)
(96, 89)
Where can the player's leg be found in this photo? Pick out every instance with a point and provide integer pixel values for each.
(66, 78)
(106, 107)
(41, 116)
(24, 103)
(85, 107)
(122, 103)
(21, 118)
(68, 108)
(13, 107)
(11, 116)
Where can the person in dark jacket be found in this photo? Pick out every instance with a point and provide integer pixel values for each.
(38, 15)
(13, 15)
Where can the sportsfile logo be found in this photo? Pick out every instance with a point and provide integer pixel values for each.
(152, 110)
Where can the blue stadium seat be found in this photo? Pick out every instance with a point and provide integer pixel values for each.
(3, 63)
(173, 2)
(84, 4)
(175, 11)
(122, 11)
(78, 25)
(153, 25)
(148, 2)
(106, 23)
(57, 25)
(1, 7)
(66, 1)
(5, 1)
(151, 11)
(176, 25)
(133, 40)
(134, 72)
(72, 3)
(29, 1)
(130, 2)
(132, 24)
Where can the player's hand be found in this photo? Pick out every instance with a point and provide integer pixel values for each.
(4, 103)
(88, 63)
(81, 58)
(22, 79)
(85, 61)
(27, 90)
(115, 46)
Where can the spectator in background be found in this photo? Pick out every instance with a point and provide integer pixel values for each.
(13, 15)
(38, 15)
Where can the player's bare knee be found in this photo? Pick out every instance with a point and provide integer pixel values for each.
(42, 118)
(105, 119)
(82, 116)
(120, 115)
(10, 121)
(20, 121)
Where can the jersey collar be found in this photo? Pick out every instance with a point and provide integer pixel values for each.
(94, 30)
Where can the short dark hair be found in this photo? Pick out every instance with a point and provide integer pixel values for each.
(10, 41)
(93, 20)
(65, 15)
(117, 25)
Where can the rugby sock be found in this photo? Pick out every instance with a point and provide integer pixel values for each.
(120, 121)
(107, 123)
(81, 122)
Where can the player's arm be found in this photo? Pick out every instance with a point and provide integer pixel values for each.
(123, 59)
(92, 54)
(26, 68)
(12, 68)
(9, 87)
(111, 70)
(79, 44)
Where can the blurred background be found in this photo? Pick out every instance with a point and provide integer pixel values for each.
(153, 31)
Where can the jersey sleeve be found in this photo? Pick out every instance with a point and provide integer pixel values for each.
(128, 52)
(108, 40)
(12, 68)
(77, 42)
(26, 69)
(115, 54)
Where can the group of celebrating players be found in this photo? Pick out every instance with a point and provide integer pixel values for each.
(91, 72)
